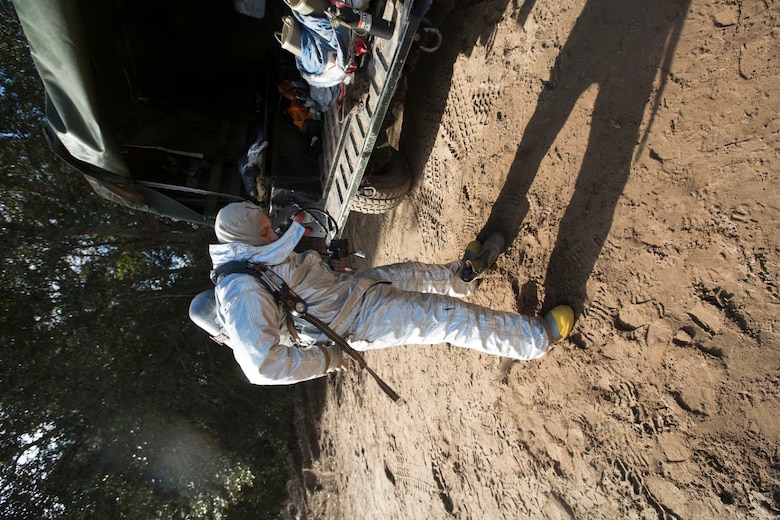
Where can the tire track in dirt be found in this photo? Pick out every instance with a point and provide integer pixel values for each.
(468, 110)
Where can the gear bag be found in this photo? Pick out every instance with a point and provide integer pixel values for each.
(203, 312)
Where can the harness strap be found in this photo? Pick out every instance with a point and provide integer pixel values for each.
(234, 266)
(291, 328)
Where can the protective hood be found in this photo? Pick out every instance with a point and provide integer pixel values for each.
(271, 254)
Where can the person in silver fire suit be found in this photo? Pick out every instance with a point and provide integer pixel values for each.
(403, 304)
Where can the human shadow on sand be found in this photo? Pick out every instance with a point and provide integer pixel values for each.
(620, 46)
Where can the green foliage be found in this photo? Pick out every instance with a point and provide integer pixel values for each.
(112, 403)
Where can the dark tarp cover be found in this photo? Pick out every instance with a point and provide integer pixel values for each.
(74, 127)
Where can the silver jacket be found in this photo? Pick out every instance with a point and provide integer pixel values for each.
(256, 324)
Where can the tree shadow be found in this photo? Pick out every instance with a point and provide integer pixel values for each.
(618, 45)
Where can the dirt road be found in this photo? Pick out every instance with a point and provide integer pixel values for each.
(629, 151)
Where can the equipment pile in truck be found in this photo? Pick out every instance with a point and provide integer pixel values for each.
(175, 108)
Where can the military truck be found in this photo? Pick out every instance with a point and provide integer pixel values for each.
(163, 104)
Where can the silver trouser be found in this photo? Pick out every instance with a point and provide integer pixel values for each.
(389, 316)
(427, 278)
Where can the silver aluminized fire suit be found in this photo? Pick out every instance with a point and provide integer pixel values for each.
(401, 304)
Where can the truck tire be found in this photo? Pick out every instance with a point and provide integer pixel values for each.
(385, 186)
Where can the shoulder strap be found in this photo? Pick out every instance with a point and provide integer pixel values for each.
(234, 266)
(258, 270)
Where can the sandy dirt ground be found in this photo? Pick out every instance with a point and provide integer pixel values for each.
(629, 152)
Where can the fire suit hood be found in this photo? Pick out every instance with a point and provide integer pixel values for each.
(270, 254)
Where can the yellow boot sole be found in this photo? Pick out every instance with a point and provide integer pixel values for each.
(560, 322)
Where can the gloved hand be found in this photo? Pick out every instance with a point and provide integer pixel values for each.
(340, 265)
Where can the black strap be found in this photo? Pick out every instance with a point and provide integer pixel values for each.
(267, 278)
(187, 189)
(234, 266)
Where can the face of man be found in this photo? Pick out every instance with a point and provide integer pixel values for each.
(267, 233)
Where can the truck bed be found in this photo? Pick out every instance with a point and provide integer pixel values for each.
(347, 145)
